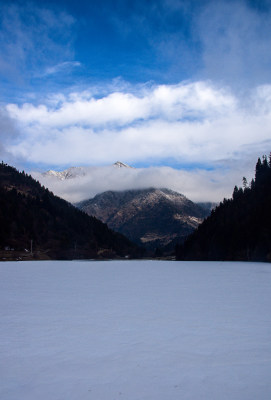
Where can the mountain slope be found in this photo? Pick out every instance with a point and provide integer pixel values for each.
(153, 217)
(30, 213)
(239, 228)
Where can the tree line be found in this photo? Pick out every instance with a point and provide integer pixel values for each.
(238, 228)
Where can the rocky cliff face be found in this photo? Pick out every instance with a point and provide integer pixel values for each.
(152, 217)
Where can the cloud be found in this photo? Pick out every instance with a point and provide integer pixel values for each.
(61, 67)
(31, 37)
(197, 185)
(169, 102)
(207, 125)
(235, 39)
(213, 134)
(189, 122)
(9, 133)
(225, 40)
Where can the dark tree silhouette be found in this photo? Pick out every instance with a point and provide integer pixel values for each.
(239, 228)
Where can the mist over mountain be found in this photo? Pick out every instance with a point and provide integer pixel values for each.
(76, 184)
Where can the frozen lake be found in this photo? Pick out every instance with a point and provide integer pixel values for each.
(135, 330)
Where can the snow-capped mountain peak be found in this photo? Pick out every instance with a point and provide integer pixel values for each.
(69, 173)
(120, 164)
(74, 172)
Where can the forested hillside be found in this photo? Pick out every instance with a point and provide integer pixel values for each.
(239, 228)
(32, 216)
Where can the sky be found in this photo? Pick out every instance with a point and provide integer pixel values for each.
(176, 85)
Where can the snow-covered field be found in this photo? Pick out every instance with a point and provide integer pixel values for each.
(135, 330)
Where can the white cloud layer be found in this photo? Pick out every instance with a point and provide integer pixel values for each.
(171, 103)
(191, 123)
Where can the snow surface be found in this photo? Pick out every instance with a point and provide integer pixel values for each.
(135, 330)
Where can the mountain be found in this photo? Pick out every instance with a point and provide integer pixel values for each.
(152, 217)
(75, 172)
(32, 216)
(120, 164)
(69, 173)
(239, 228)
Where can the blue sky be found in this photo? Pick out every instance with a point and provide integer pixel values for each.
(176, 83)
